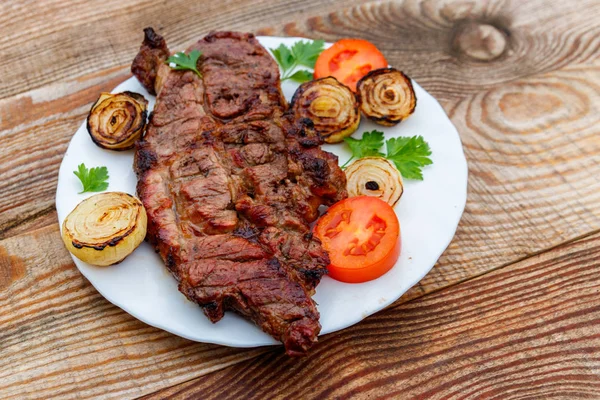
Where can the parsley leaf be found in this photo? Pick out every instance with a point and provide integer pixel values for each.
(93, 179)
(409, 154)
(302, 53)
(284, 56)
(302, 76)
(184, 61)
(368, 146)
(306, 53)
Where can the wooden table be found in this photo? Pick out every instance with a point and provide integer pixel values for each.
(512, 308)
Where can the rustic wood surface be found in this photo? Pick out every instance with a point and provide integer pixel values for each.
(527, 330)
(521, 82)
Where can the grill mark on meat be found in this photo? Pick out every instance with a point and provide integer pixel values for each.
(230, 183)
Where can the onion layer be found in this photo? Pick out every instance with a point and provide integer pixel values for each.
(386, 96)
(330, 105)
(105, 228)
(116, 121)
(376, 177)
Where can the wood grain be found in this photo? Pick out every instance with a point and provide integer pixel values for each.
(520, 80)
(531, 330)
(534, 175)
(82, 50)
(415, 34)
(425, 38)
(456, 48)
(412, 34)
(30, 176)
(61, 339)
(85, 37)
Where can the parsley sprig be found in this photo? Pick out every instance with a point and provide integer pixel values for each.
(301, 54)
(368, 146)
(93, 179)
(409, 154)
(184, 61)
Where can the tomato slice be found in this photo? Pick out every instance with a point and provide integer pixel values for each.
(362, 236)
(348, 60)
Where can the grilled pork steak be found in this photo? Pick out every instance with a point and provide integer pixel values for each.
(230, 183)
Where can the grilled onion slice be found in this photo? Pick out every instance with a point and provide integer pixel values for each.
(330, 105)
(116, 121)
(376, 177)
(105, 228)
(386, 96)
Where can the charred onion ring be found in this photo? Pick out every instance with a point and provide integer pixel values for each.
(105, 228)
(330, 105)
(375, 177)
(386, 96)
(116, 121)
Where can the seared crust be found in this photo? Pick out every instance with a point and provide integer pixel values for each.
(150, 59)
(230, 185)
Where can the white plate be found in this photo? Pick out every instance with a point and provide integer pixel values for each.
(429, 212)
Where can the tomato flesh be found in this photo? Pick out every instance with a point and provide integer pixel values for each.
(362, 236)
(348, 60)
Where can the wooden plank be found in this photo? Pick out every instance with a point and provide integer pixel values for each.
(35, 126)
(39, 220)
(456, 48)
(534, 176)
(58, 108)
(52, 316)
(75, 306)
(531, 330)
(513, 210)
(84, 37)
(530, 141)
(61, 339)
(419, 36)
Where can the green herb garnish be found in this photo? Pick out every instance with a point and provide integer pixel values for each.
(368, 146)
(184, 61)
(93, 179)
(409, 154)
(302, 53)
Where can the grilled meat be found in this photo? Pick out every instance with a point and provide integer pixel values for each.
(230, 182)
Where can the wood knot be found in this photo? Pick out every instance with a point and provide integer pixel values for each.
(482, 42)
(12, 268)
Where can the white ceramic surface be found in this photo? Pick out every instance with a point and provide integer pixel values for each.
(429, 212)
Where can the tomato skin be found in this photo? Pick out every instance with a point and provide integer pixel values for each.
(362, 236)
(348, 60)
